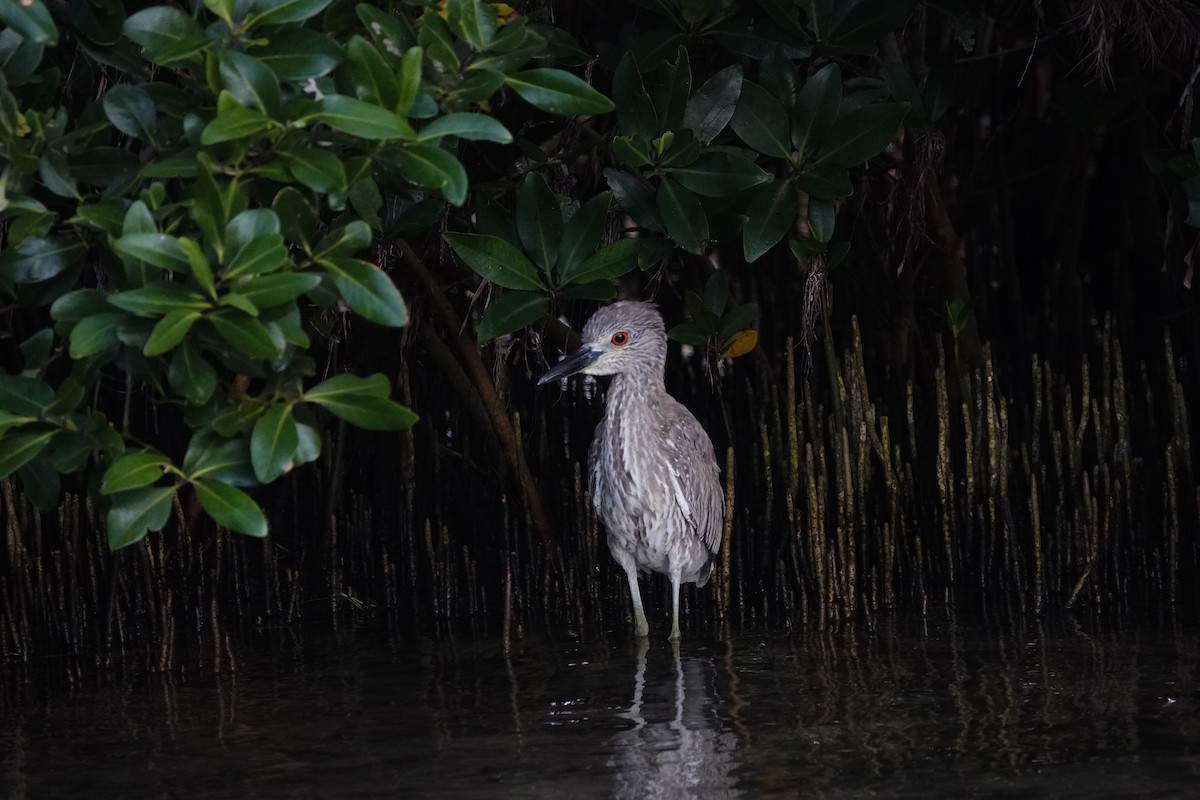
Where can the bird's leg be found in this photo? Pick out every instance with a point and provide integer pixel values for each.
(640, 626)
(675, 606)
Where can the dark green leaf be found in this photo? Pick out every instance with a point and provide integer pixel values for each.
(131, 111)
(720, 173)
(374, 81)
(860, 134)
(670, 93)
(92, 335)
(408, 80)
(234, 123)
(761, 121)
(475, 127)
(817, 107)
(362, 402)
(279, 12)
(250, 81)
(683, 215)
(558, 92)
(247, 335)
(496, 260)
(772, 212)
(611, 261)
(20, 394)
(827, 182)
(539, 221)
(473, 21)
(169, 332)
(157, 298)
(298, 54)
(344, 241)
(191, 375)
(231, 507)
(511, 312)
(581, 233)
(30, 19)
(157, 249)
(635, 198)
(689, 333)
(711, 107)
(167, 33)
(361, 119)
(210, 455)
(133, 471)
(821, 219)
(273, 443)
(39, 259)
(20, 447)
(636, 115)
(269, 291)
(297, 218)
(430, 166)
(136, 512)
(368, 291)
(260, 255)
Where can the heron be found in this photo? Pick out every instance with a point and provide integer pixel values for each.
(652, 473)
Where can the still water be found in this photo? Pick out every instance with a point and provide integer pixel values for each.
(948, 710)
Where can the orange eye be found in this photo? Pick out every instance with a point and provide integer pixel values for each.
(620, 337)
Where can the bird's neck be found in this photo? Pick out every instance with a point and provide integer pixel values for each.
(629, 385)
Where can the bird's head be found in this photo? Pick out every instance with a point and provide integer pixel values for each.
(627, 336)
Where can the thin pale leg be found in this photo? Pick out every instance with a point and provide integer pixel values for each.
(675, 607)
(640, 626)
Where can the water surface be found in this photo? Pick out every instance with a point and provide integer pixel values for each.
(1044, 710)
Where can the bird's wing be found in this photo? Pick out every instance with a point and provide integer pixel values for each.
(694, 477)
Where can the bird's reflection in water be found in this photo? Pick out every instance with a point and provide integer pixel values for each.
(676, 745)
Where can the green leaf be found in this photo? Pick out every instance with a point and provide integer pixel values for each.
(261, 254)
(273, 443)
(610, 261)
(511, 312)
(235, 123)
(298, 54)
(39, 259)
(18, 449)
(821, 219)
(437, 40)
(167, 33)
(761, 121)
(359, 402)
(817, 107)
(636, 115)
(95, 334)
(157, 298)
(430, 166)
(297, 218)
(247, 335)
(191, 375)
(581, 233)
(671, 90)
(720, 173)
(772, 212)
(198, 264)
(344, 241)
(361, 119)
(269, 291)
(131, 111)
(408, 79)
(169, 332)
(31, 20)
(211, 455)
(136, 512)
(472, 21)
(558, 92)
(319, 170)
(827, 182)
(133, 471)
(368, 291)
(20, 394)
(250, 81)
(860, 134)
(496, 260)
(231, 507)
(709, 110)
(374, 81)
(683, 215)
(157, 249)
(280, 12)
(635, 198)
(539, 221)
(474, 127)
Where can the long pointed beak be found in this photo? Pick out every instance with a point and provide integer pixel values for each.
(580, 359)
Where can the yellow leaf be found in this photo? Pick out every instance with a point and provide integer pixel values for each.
(740, 343)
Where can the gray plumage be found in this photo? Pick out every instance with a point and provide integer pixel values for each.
(652, 473)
